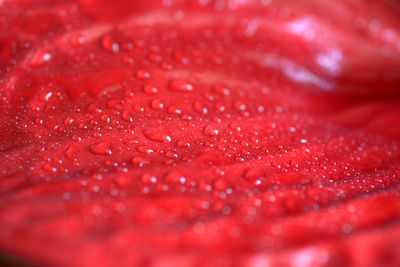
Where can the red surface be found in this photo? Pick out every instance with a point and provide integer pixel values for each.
(209, 133)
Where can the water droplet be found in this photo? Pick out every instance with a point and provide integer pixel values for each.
(180, 57)
(148, 178)
(154, 57)
(76, 138)
(221, 89)
(49, 167)
(219, 172)
(131, 141)
(105, 118)
(129, 94)
(126, 116)
(175, 177)
(156, 104)
(150, 89)
(138, 108)
(166, 66)
(128, 60)
(220, 107)
(68, 120)
(46, 56)
(199, 107)
(113, 102)
(40, 57)
(140, 161)
(77, 39)
(142, 75)
(254, 173)
(239, 106)
(159, 134)
(70, 153)
(108, 43)
(235, 126)
(174, 110)
(145, 150)
(123, 180)
(101, 148)
(181, 86)
(93, 108)
(210, 130)
(220, 184)
(127, 46)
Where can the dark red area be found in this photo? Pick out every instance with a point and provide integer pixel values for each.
(200, 133)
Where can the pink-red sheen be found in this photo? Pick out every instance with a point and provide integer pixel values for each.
(200, 133)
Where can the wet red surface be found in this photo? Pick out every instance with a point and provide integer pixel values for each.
(209, 133)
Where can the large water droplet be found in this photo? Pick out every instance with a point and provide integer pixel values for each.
(70, 153)
(210, 130)
(156, 104)
(158, 134)
(150, 89)
(109, 44)
(142, 75)
(101, 148)
(181, 86)
(221, 89)
(239, 106)
(126, 116)
(148, 178)
(175, 177)
(220, 184)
